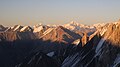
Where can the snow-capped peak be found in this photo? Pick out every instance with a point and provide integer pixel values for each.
(40, 24)
(38, 29)
(16, 28)
(73, 26)
(25, 28)
(2, 27)
(98, 25)
(74, 23)
(48, 31)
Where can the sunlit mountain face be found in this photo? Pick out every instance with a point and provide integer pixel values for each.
(69, 45)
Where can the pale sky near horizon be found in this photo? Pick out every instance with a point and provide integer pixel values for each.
(31, 12)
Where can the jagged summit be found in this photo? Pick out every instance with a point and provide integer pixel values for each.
(98, 25)
(2, 28)
(68, 45)
(35, 26)
(73, 26)
(19, 28)
(59, 34)
(15, 28)
(26, 29)
(74, 23)
(113, 32)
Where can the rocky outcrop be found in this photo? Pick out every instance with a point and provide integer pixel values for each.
(82, 57)
(84, 39)
(115, 36)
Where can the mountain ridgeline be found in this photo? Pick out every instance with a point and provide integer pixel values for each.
(68, 45)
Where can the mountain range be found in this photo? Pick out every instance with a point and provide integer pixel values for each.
(68, 45)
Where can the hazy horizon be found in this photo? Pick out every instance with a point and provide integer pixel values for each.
(32, 12)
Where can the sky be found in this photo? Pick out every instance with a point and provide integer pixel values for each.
(32, 12)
